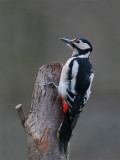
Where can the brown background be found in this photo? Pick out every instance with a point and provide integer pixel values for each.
(29, 32)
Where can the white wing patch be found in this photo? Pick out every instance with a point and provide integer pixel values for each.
(74, 74)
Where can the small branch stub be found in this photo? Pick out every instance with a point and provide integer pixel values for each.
(21, 113)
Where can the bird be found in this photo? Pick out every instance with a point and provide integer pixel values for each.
(74, 87)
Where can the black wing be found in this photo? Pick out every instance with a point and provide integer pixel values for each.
(82, 81)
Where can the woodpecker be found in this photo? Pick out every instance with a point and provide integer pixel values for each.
(74, 86)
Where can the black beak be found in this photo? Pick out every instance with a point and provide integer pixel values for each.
(68, 41)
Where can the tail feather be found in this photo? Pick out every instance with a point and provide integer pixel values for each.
(66, 129)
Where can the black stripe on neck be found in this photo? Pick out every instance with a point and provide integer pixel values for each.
(77, 55)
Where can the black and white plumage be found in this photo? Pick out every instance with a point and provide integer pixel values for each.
(75, 86)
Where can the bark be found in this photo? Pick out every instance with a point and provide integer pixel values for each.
(45, 116)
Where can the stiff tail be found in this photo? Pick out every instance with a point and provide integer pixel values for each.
(68, 124)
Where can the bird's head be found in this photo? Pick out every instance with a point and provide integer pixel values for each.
(79, 46)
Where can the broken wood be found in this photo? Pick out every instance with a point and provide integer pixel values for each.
(45, 116)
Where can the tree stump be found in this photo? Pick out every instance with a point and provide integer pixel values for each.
(45, 117)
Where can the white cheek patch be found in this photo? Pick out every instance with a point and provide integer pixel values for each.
(82, 45)
(86, 46)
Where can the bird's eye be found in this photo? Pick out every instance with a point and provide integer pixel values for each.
(77, 41)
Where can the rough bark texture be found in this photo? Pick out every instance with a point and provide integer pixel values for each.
(45, 116)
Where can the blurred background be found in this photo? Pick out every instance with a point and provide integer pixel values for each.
(29, 38)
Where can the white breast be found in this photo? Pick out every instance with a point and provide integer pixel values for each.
(63, 83)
